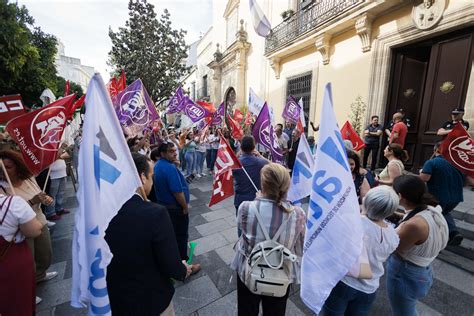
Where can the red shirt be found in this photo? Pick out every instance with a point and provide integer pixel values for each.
(402, 131)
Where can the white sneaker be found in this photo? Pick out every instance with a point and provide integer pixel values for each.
(38, 300)
(198, 175)
(50, 224)
(49, 276)
(203, 175)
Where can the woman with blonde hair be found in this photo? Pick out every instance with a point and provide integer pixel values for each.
(273, 212)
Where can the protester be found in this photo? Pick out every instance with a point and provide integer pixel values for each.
(17, 273)
(253, 163)
(446, 183)
(312, 144)
(282, 139)
(360, 182)
(206, 139)
(399, 132)
(275, 181)
(200, 155)
(26, 187)
(353, 296)
(172, 192)
(423, 234)
(293, 147)
(214, 139)
(145, 254)
(456, 116)
(395, 156)
(288, 130)
(390, 124)
(190, 156)
(58, 176)
(372, 133)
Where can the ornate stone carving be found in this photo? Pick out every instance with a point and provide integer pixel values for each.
(323, 45)
(217, 54)
(275, 64)
(363, 27)
(427, 13)
(241, 34)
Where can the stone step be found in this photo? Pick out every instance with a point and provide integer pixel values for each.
(463, 215)
(465, 249)
(457, 260)
(466, 229)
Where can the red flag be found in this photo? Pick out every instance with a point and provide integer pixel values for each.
(208, 106)
(76, 105)
(112, 87)
(238, 116)
(121, 83)
(458, 149)
(10, 106)
(248, 119)
(67, 89)
(349, 133)
(236, 130)
(38, 133)
(226, 161)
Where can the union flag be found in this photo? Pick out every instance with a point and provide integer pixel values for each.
(236, 130)
(226, 161)
(458, 149)
(348, 132)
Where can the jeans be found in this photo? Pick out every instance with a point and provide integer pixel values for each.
(345, 300)
(190, 161)
(199, 161)
(208, 158)
(374, 148)
(56, 191)
(213, 158)
(406, 284)
(182, 160)
(180, 223)
(447, 208)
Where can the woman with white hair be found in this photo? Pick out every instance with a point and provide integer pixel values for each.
(352, 296)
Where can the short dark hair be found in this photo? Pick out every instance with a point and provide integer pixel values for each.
(248, 144)
(374, 116)
(155, 154)
(414, 190)
(141, 163)
(398, 151)
(281, 125)
(164, 147)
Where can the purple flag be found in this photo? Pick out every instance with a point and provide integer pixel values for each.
(135, 109)
(218, 115)
(195, 111)
(263, 133)
(177, 102)
(292, 110)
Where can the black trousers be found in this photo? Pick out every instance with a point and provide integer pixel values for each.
(180, 223)
(374, 148)
(248, 304)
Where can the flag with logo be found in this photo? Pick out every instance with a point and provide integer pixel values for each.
(349, 133)
(263, 133)
(333, 240)
(236, 129)
(302, 174)
(291, 111)
(196, 111)
(255, 103)
(107, 179)
(261, 24)
(115, 86)
(177, 102)
(218, 116)
(135, 109)
(226, 161)
(38, 133)
(458, 149)
(10, 106)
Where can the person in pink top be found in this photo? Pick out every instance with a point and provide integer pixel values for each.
(400, 130)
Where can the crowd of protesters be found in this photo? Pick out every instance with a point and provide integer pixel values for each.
(406, 219)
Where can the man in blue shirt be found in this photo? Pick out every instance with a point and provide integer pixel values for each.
(372, 141)
(253, 162)
(172, 191)
(446, 183)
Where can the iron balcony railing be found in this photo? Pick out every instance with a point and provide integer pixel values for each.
(306, 20)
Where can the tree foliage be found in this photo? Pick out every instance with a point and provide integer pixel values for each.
(26, 55)
(357, 114)
(61, 87)
(150, 49)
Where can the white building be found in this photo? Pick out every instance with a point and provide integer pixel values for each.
(70, 68)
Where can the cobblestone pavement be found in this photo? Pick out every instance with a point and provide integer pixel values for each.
(212, 291)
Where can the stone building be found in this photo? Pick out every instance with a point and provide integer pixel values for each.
(415, 55)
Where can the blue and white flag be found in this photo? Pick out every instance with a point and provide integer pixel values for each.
(260, 21)
(255, 103)
(302, 175)
(333, 240)
(107, 179)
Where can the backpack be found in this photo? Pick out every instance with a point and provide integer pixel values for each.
(268, 268)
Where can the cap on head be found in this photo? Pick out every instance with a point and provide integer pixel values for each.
(457, 111)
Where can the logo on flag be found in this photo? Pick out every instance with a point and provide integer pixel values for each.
(46, 130)
(263, 133)
(292, 110)
(458, 149)
(349, 133)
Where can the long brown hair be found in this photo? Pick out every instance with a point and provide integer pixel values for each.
(275, 181)
(398, 151)
(22, 171)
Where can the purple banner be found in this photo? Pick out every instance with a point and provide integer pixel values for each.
(263, 133)
(177, 102)
(135, 109)
(218, 116)
(292, 109)
(195, 111)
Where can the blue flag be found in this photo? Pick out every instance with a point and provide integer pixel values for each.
(302, 175)
(333, 240)
(107, 179)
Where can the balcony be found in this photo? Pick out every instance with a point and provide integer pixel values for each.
(306, 20)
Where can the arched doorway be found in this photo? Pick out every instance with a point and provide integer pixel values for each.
(230, 100)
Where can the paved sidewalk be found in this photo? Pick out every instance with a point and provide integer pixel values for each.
(212, 291)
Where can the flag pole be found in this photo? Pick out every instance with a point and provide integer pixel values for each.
(250, 179)
(7, 176)
(47, 178)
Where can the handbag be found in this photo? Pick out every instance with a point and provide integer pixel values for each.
(3, 252)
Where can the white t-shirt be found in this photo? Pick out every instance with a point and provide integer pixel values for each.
(380, 242)
(58, 169)
(19, 213)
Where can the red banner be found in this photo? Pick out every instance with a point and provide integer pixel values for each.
(38, 133)
(238, 116)
(76, 105)
(10, 106)
(235, 128)
(67, 89)
(223, 180)
(348, 132)
(458, 149)
(115, 86)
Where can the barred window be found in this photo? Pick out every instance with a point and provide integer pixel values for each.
(300, 87)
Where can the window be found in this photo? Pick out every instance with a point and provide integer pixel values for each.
(300, 87)
(204, 86)
(231, 27)
(193, 90)
(303, 4)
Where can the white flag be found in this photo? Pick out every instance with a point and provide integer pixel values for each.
(260, 21)
(333, 240)
(107, 179)
(302, 175)
(255, 103)
(302, 119)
